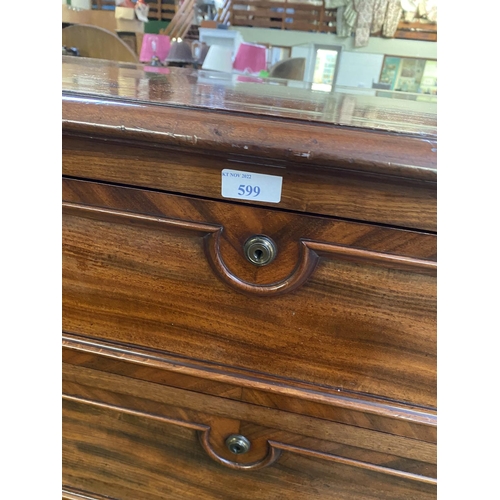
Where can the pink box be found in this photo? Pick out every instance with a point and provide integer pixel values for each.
(250, 58)
(154, 45)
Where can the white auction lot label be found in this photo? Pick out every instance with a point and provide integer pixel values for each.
(250, 186)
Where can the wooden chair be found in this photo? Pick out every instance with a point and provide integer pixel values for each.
(289, 69)
(97, 43)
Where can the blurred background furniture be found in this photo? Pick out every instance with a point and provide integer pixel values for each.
(97, 43)
(289, 69)
(101, 18)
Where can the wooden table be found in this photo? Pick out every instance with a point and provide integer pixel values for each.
(249, 289)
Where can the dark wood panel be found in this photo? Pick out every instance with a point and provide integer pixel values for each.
(222, 381)
(222, 417)
(215, 132)
(295, 16)
(239, 20)
(357, 323)
(417, 31)
(331, 192)
(135, 457)
(186, 109)
(236, 222)
(325, 359)
(416, 35)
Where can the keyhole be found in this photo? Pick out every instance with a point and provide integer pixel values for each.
(237, 444)
(260, 250)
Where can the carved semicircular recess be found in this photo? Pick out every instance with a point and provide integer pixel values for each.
(304, 268)
(270, 453)
(306, 264)
(308, 256)
(269, 458)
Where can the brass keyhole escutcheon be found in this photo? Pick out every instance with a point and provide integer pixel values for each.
(260, 250)
(237, 444)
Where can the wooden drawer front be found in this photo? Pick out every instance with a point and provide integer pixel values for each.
(245, 386)
(129, 439)
(345, 305)
(340, 193)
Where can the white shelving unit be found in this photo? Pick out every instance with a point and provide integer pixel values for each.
(225, 38)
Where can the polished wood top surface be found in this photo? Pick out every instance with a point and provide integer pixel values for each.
(240, 93)
(226, 113)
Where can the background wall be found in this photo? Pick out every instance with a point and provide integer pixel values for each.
(376, 45)
(358, 67)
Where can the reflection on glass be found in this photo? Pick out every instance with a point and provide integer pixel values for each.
(322, 64)
(276, 54)
(406, 74)
(324, 69)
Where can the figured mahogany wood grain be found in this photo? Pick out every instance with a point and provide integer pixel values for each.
(325, 359)
(336, 192)
(224, 417)
(134, 457)
(222, 381)
(264, 452)
(306, 260)
(152, 142)
(69, 493)
(165, 129)
(357, 326)
(206, 131)
(240, 222)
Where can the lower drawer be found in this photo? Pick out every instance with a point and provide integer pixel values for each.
(347, 306)
(130, 439)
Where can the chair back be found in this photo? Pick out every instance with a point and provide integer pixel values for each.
(289, 69)
(97, 43)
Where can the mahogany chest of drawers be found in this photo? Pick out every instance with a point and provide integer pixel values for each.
(249, 290)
